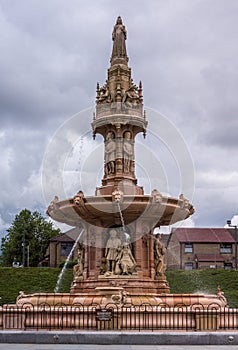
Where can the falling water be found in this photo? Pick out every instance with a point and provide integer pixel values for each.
(123, 222)
(66, 262)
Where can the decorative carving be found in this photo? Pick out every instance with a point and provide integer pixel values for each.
(21, 295)
(110, 153)
(145, 239)
(104, 95)
(159, 252)
(117, 195)
(131, 97)
(221, 295)
(78, 198)
(128, 154)
(104, 267)
(120, 298)
(118, 258)
(156, 196)
(126, 263)
(184, 202)
(78, 268)
(53, 203)
(93, 238)
(112, 249)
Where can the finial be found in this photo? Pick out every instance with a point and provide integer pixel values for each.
(97, 90)
(140, 91)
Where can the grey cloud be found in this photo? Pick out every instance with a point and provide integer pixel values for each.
(185, 53)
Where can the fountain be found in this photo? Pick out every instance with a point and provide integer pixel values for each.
(120, 258)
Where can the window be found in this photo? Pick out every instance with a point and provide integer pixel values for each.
(227, 266)
(66, 248)
(226, 248)
(188, 248)
(213, 266)
(188, 266)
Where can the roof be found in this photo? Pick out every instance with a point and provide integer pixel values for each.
(62, 238)
(209, 257)
(164, 239)
(203, 235)
(73, 233)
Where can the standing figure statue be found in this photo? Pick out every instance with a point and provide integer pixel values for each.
(112, 249)
(127, 152)
(159, 252)
(110, 154)
(78, 268)
(119, 40)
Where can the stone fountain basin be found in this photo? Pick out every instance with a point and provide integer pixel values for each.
(100, 298)
(103, 211)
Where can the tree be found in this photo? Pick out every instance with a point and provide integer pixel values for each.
(29, 232)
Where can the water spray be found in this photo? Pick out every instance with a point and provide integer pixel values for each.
(66, 262)
(117, 195)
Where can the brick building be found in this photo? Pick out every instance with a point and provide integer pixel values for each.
(187, 248)
(60, 247)
(200, 248)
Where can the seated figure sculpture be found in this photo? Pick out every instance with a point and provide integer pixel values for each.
(125, 260)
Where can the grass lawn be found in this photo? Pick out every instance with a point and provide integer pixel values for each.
(205, 281)
(31, 280)
(35, 280)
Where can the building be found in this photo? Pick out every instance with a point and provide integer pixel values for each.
(61, 246)
(200, 248)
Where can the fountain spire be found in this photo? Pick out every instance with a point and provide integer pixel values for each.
(119, 118)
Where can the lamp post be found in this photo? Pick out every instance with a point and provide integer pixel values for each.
(235, 227)
(23, 247)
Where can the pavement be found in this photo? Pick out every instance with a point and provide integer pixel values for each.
(70, 340)
(113, 347)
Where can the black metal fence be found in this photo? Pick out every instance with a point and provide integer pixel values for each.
(142, 317)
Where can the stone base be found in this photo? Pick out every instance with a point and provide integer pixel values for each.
(130, 283)
(127, 189)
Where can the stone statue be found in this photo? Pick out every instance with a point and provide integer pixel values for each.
(104, 95)
(184, 201)
(159, 252)
(119, 40)
(110, 154)
(156, 196)
(127, 152)
(78, 198)
(112, 249)
(131, 97)
(54, 202)
(104, 266)
(126, 260)
(78, 268)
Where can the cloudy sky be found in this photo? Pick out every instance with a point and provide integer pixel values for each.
(53, 53)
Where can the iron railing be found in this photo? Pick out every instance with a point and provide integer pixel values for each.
(112, 316)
